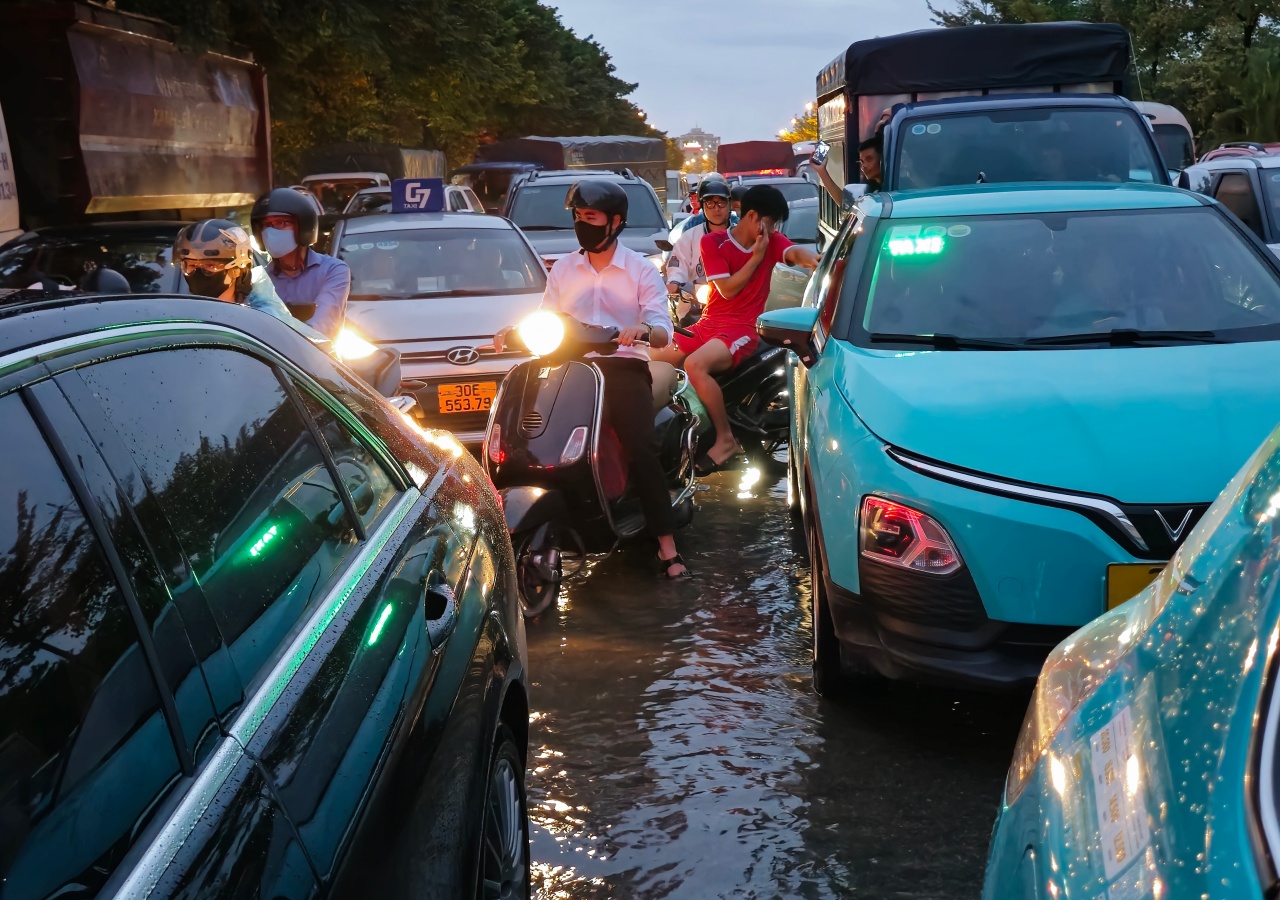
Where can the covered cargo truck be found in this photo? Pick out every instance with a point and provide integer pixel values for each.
(395, 162)
(108, 118)
(756, 158)
(644, 157)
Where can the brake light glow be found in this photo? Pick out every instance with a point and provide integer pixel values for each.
(495, 451)
(904, 537)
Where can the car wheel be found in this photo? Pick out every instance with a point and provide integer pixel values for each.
(503, 872)
(829, 679)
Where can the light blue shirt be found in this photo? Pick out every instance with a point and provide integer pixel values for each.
(324, 281)
(263, 297)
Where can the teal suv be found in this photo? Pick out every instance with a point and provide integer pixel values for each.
(1011, 404)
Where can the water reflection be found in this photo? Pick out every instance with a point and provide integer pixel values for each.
(678, 751)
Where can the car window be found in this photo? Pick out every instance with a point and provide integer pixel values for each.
(368, 482)
(240, 479)
(373, 202)
(334, 194)
(143, 261)
(85, 750)
(1026, 145)
(440, 262)
(802, 224)
(833, 280)
(473, 201)
(1044, 275)
(1271, 188)
(1175, 146)
(457, 203)
(1235, 192)
(541, 207)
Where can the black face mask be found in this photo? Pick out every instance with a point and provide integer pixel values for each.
(594, 238)
(207, 284)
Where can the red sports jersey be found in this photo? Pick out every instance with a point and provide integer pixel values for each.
(722, 256)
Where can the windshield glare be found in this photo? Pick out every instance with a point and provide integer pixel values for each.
(440, 262)
(802, 224)
(1018, 277)
(542, 207)
(1026, 145)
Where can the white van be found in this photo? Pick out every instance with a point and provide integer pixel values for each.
(1173, 133)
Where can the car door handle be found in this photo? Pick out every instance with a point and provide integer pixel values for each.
(441, 612)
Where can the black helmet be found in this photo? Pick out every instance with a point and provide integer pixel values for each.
(595, 193)
(739, 191)
(102, 280)
(713, 185)
(288, 202)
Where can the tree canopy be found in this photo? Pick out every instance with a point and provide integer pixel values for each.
(1216, 60)
(441, 74)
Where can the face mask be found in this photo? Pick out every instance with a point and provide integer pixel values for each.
(207, 284)
(593, 238)
(279, 241)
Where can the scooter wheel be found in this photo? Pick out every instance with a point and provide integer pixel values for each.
(538, 576)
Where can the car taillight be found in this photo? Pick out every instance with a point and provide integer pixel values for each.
(901, 536)
(495, 451)
(575, 446)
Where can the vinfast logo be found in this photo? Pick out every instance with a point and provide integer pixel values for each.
(1175, 532)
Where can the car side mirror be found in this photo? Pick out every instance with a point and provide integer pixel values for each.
(791, 328)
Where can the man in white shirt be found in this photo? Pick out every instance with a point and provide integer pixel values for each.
(608, 284)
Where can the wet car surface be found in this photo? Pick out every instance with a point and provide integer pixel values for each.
(677, 748)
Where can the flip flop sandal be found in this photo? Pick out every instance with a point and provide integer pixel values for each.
(705, 465)
(664, 568)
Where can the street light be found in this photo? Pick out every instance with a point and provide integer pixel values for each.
(808, 107)
(782, 132)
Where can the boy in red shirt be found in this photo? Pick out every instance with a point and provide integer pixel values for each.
(739, 263)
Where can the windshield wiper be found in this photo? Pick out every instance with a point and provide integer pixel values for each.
(1128, 337)
(944, 341)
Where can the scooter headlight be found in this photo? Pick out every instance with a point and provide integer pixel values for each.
(349, 345)
(542, 332)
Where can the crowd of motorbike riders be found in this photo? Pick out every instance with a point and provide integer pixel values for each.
(731, 246)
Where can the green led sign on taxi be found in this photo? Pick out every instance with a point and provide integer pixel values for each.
(261, 543)
(919, 246)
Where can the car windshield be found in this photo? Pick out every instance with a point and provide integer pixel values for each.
(802, 224)
(372, 202)
(1174, 142)
(440, 262)
(334, 194)
(142, 260)
(1076, 278)
(791, 190)
(1045, 144)
(541, 207)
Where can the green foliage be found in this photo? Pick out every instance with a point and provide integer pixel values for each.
(1216, 60)
(444, 74)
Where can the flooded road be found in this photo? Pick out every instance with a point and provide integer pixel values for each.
(678, 749)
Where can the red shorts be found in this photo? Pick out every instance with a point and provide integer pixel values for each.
(741, 340)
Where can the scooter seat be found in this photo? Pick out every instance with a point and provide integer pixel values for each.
(665, 380)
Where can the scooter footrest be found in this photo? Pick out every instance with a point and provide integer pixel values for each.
(630, 525)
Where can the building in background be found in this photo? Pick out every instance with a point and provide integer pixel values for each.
(699, 149)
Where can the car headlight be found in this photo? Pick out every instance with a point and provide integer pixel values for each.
(349, 345)
(542, 332)
(1076, 668)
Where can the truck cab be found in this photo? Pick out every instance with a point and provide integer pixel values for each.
(985, 103)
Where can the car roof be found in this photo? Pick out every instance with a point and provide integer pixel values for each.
(1261, 161)
(577, 175)
(1015, 101)
(341, 176)
(417, 221)
(95, 229)
(1005, 199)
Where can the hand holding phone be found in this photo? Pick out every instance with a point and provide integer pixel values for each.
(820, 153)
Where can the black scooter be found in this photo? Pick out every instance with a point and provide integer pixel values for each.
(558, 466)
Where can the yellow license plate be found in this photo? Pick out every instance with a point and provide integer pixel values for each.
(467, 396)
(1126, 580)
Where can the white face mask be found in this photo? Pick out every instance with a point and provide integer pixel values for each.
(279, 241)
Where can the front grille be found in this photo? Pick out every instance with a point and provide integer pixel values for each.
(531, 423)
(951, 601)
(435, 356)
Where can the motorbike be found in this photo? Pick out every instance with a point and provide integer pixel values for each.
(557, 465)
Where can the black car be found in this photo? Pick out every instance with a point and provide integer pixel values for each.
(140, 251)
(259, 636)
(536, 204)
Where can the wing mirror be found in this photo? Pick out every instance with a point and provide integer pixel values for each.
(792, 329)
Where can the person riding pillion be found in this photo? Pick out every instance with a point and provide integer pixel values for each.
(216, 259)
(313, 285)
(608, 284)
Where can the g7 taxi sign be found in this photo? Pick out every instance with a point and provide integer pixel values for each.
(417, 195)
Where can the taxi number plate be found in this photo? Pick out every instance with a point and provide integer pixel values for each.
(467, 396)
(1126, 580)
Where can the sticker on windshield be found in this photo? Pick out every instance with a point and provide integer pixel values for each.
(350, 247)
(388, 245)
(917, 129)
(959, 231)
(367, 245)
(1275, 177)
(933, 231)
(934, 128)
(913, 240)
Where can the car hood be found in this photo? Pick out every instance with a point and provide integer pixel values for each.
(1139, 425)
(558, 243)
(455, 320)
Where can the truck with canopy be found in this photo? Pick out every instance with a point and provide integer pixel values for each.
(644, 157)
(986, 103)
(756, 158)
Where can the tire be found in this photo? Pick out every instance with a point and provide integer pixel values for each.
(502, 871)
(829, 678)
(537, 594)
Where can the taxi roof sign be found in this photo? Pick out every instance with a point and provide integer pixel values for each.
(414, 195)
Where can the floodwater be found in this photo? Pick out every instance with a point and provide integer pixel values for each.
(678, 749)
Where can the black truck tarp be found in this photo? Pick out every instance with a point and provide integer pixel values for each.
(646, 157)
(981, 57)
(389, 159)
(774, 157)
